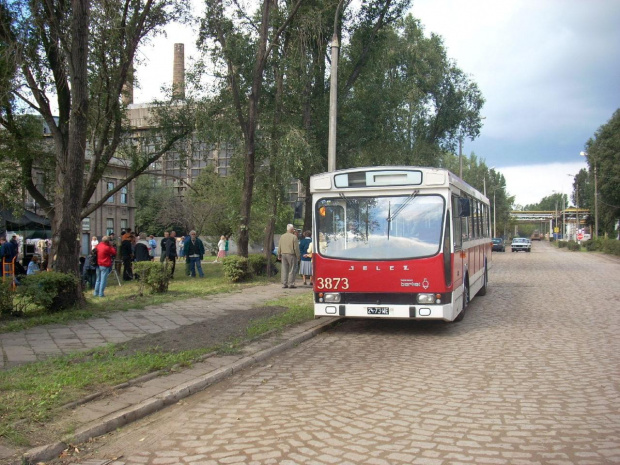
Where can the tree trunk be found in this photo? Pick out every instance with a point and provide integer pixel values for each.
(70, 167)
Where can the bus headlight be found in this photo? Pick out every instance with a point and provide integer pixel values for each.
(331, 297)
(429, 298)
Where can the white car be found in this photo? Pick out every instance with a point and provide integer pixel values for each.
(521, 243)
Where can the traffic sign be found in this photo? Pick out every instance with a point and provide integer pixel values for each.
(579, 237)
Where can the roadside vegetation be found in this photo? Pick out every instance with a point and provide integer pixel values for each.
(604, 245)
(130, 295)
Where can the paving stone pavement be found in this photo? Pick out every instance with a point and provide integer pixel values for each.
(531, 376)
(40, 342)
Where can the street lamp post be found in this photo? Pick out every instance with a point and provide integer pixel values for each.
(494, 221)
(585, 154)
(576, 208)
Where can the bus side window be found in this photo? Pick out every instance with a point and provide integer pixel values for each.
(456, 223)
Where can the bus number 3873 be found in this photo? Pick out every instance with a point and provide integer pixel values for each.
(332, 283)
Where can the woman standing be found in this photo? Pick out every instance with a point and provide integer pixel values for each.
(221, 249)
(305, 265)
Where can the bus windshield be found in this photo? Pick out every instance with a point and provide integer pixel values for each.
(380, 228)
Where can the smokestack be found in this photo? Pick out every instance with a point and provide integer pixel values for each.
(178, 72)
(127, 92)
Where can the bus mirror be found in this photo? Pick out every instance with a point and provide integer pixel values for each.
(464, 210)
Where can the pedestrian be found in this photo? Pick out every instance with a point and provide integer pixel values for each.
(163, 243)
(171, 251)
(288, 253)
(105, 259)
(14, 247)
(185, 240)
(181, 246)
(227, 237)
(94, 242)
(305, 265)
(89, 270)
(127, 256)
(152, 247)
(194, 251)
(112, 238)
(141, 249)
(33, 266)
(221, 249)
(4, 252)
(127, 234)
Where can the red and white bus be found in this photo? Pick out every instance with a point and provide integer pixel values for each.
(398, 242)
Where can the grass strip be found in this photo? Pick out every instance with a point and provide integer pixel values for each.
(32, 394)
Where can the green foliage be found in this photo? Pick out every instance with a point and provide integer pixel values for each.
(153, 275)
(6, 299)
(51, 290)
(603, 156)
(553, 202)
(610, 246)
(574, 246)
(258, 264)
(562, 244)
(592, 245)
(236, 268)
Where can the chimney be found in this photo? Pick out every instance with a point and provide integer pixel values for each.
(178, 72)
(127, 92)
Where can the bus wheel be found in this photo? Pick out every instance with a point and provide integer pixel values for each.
(465, 302)
(483, 289)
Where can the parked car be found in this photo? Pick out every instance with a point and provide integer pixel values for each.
(498, 245)
(521, 243)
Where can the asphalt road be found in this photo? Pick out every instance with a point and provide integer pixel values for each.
(530, 376)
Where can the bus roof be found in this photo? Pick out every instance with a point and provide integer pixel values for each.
(381, 177)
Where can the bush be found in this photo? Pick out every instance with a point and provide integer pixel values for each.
(51, 290)
(154, 275)
(574, 246)
(610, 246)
(258, 265)
(592, 245)
(562, 244)
(236, 268)
(6, 298)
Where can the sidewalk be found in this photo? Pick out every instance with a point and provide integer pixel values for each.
(101, 413)
(39, 342)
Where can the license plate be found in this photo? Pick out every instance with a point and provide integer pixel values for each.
(378, 310)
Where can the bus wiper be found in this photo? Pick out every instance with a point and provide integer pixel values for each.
(400, 209)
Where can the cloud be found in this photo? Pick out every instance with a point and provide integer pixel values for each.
(531, 183)
(546, 70)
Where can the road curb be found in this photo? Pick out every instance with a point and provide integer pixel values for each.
(136, 412)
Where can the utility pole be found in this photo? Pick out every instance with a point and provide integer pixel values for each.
(494, 222)
(595, 204)
(333, 95)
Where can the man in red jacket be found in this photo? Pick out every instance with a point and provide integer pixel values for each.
(105, 260)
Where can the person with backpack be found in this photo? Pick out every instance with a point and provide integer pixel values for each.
(89, 271)
(105, 258)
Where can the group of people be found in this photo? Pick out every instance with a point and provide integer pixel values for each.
(295, 255)
(9, 251)
(139, 248)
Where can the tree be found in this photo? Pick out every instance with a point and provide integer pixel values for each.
(603, 156)
(74, 59)
(238, 42)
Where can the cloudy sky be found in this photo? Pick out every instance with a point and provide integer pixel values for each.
(548, 69)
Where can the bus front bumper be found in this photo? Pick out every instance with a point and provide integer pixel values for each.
(421, 312)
